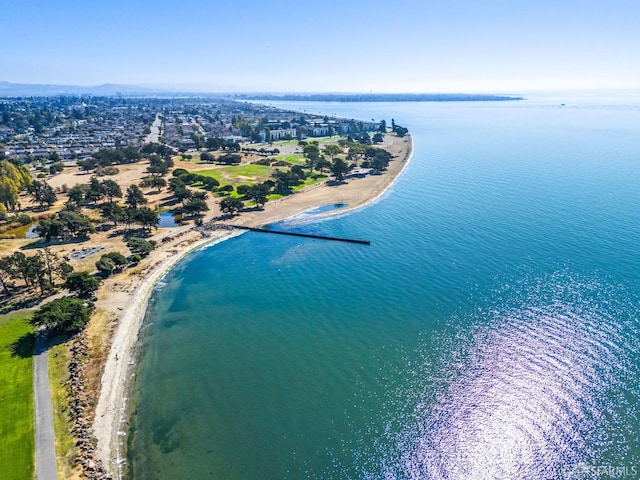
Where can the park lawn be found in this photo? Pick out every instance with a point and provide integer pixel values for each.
(312, 180)
(16, 397)
(294, 159)
(239, 174)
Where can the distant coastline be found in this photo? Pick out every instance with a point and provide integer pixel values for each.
(379, 97)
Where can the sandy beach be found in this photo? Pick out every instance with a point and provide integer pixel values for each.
(123, 301)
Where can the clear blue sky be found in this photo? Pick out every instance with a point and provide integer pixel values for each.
(324, 45)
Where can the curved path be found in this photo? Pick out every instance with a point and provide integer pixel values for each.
(46, 468)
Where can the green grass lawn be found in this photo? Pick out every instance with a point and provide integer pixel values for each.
(315, 178)
(293, 159)
(16, 398)
(239, 174)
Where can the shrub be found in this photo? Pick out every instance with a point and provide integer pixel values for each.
(22, 218)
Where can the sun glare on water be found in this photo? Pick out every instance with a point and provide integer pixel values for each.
(537, 384)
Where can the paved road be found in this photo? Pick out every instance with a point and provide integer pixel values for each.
(46, 468)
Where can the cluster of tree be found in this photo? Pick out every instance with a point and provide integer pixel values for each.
(42, 193)
(285, 180)
(363, 137)
(14, 177)
(140, 246)
(400, 131)
(63, 315)
(158, 149)
(231, 205)
(193, 203)
(106, 157)
(36, 271)
(127, 215)
(56, 166)
(65, 224)
(153, 181)
(264, 151)
(95, 190)
(376, 158)
(217, 143)
(227, 159)
(313, 157)
(208, 183)
(110, 263)
(159, 165)
(257, 192)
(83, 284)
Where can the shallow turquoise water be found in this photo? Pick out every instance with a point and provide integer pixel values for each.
(490, 330)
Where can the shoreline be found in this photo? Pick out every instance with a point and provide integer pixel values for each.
(111, 408)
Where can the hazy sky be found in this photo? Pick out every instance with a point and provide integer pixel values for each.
(324, 45)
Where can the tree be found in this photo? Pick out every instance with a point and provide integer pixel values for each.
(135, 196)
(147, 217)
(182, 193)
(356, 151)
(159, 165)
(112, 212)
(258, 193)
(285, 181)
(77, 196)
(195, 206)
(338, 168)
(333, 150)
(95, 190)
(30, 268)
(154, 182)
(312, 153)
(378, 138)
(140, 246)
(323, 163)
(9, 192)
(63, 315)
(7, 273)
(77, 224)
(109, 262)
(83, 284)
(49, 229)
(105, 266)
(54, 265)
(231, 205)
(401, 131)
(111, 189)
(42, 193)
(56, 167)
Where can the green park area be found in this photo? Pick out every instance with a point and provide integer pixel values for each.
(16, 397)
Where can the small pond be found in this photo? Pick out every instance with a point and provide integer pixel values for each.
(167, 220)
(31, 233)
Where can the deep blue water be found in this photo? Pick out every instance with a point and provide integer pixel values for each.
(490, 331)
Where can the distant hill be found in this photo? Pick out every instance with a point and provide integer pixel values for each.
(378, 97)
(36, 90)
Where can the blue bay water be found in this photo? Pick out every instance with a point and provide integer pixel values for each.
(490, 330)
